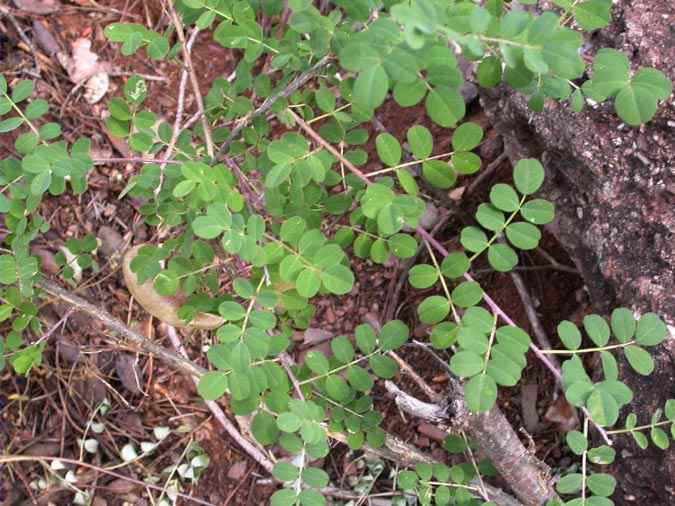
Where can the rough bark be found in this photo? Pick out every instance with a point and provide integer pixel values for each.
(528, 477)
(614, 190)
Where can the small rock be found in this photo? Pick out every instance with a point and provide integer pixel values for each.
(46, 260)
(39, 6)
(330, 315)
(131, 422)
(469, 92)
(129, 373)
(315, 336)
(111, 241)
(237, 471)
(431, 431)
(373, 320)
(430, 217)
(121, 487)
(491, 148)
(528, 405)
(421, 331)
(46, 449)
(423, 442)
(68, 351)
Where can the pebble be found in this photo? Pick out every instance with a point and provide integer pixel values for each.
(111, 241)
(237, 470)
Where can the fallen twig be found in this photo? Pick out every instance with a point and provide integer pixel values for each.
(187, 60)
(218, 413)
(270, 101)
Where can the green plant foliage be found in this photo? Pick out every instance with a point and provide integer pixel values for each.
(297, 217)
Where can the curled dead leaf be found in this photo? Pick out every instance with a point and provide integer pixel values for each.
(163, 308)
(83, 67)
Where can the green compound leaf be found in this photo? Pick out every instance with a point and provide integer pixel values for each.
(439, 174)
(490, 217)
(651, 330)
(467, 294)
(394, 334)
(602, 455)
(480, 393)
(423, 276)
(383, 366)
(593, 14)
(283, 497)
(317, 362)
(388, 149)
(523, 235)
(639, 359)
(597, 329)
(285, 471)
(466, 364)
(403, 245)
(504, 197)
(371, 87)
(289, 422)
(538, 211)
(636, 102)
(365, 338)
(601, 484)
(577, 442)
(455, 265)
(433, 309)
(473, 239)
(338, 279)
(528, 175)
(421, 141)
(467, 136)
(445, 106)
(264, 428)
(603, 407)
(212, 385)
(570, 483)
(502, 258)
(489, 72)
(623, 324)
(569, 334)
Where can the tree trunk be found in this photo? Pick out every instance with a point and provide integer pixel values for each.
(614, 191)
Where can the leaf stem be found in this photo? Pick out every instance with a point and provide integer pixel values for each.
(586, 350)
(584, 460)
(408, 164)
(338, 369)
(641, 427)
(23, 116)
(443, 282)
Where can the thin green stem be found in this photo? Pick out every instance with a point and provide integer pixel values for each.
(249, 309)
(506, 41)
(338, 369)
(408, 164)
(587, 350)
(443, 283)
(640, 427)
(452, 485)
(306, 262)
(490, 343)
(23, 116)
(584, 459)
(334, 403)
(267, 46)
(499, 232)
(328, 114)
